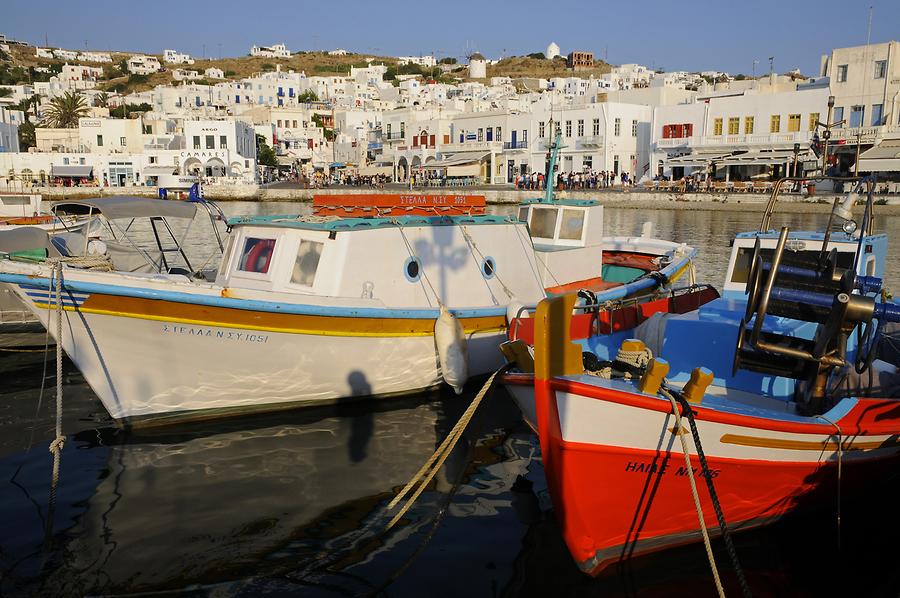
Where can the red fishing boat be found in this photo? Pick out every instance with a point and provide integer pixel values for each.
(725, 417)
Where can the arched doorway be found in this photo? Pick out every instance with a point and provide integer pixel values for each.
(402, 169)
(192, 166)
(214, 167)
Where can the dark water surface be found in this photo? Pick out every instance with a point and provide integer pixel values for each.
(293, 503)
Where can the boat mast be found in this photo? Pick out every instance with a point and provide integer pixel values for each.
(554, 148)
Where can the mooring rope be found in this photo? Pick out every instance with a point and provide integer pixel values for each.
(425, 474)
(56, 445)
(687, 463)
(840, 459)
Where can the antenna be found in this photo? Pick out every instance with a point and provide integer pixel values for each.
(771, 64)
(869, 28)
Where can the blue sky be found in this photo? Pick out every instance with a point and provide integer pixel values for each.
(690, 34)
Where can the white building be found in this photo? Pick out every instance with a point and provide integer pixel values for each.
(79, 76)
(214, 73)
(337, 52)
(552, 51)
(276, 51)
(737, 134)
(219, 148)
(43, 53)
(143, 65)
(477, 66)
(174, 57)
(94, 57)
(65, 54)
(423, 61)
(9, 129)
(185, 75)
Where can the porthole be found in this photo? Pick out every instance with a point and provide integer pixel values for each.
(488, 267)
(412, 269)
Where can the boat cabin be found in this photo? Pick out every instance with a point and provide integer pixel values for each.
(17, 205)
(478, 261)
(803, 244)
(567, 237)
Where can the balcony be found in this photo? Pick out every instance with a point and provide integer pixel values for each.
(395, 136)
(514, 145)
(468, 146)
(589, 142)
(864, 134)
(764, 140)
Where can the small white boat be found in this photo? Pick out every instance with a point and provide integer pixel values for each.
(22, 212)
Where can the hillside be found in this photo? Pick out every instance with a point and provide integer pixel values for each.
(116, 79)
(542, 68)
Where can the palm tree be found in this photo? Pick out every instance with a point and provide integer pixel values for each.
(64, 111)
(103, 99)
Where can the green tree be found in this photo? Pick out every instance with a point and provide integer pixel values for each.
(265, 155)
(5, 92)
(307, 96)
(64, 111)
(103, 99)
(26, 136)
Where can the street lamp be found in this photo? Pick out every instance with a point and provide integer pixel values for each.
(796, 157)
(826, 135)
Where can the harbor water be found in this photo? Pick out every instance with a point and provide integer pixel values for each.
(294, 503)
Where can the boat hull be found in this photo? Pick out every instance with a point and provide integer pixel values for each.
(619, 483)
(153, 359)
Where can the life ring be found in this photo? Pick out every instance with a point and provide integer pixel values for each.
(262, 249)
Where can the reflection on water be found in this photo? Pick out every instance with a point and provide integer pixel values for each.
(293, 502)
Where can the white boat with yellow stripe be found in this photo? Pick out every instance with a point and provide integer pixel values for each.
(306, 310)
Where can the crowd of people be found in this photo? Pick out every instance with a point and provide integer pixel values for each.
(575, 180)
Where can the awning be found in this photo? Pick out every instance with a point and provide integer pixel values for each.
(459, 159)
(883, 157)
(123, 206)
(285, 160)
(71, 171)
(464, 170)
(759, 158)
(374, 170)
(695, 159)
(156, 170)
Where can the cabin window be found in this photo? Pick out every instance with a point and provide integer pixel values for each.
(412, 269)
(523, 214)
(488, 267)
(306, 263)
(543, 222)
(745, 254)
(226, 255)
(572, 225)
(257, 255)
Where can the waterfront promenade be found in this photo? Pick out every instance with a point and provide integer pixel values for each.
(634, 198)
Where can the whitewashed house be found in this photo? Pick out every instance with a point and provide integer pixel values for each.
(175, 57)
(143, 65)
(275, 51)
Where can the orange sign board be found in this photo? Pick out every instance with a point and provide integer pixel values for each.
(397, 204)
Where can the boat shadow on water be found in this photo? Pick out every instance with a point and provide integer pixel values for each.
(283, 501)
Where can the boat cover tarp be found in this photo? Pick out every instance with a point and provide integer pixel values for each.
(123, 206)
(24, 238)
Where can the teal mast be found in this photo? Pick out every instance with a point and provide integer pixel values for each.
(549, 177)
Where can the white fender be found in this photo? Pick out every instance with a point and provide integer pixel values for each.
(514, 309)
(453, 353)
